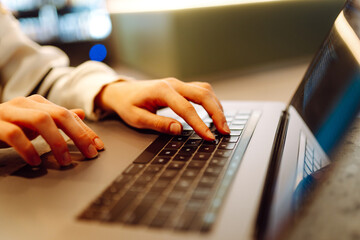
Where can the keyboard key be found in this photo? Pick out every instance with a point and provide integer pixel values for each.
(239, 122)
(226, 145)
(202, 156)
(196, 164)
(187, 150)
(176, 165)
(193, 142)
(153, 169)
(242, 116)
(235, 133)
(216, 161)
(231, 139)
(194, 205)
(183, 184)
(186, 133)
(144, 179)
(213, 171)
(150, 152)
(182, 157)
(176, 195)
(161, 160)
(122, 180)
(137, 188)
(134, 169)
(207, 181)
(169, 173)
(236, 127)
(222, 153)
(201, 193)
(190, 173)
(180, 138)
(168, 206)
(174, 145)
(207, 148)
(159, 186)
(167, 153)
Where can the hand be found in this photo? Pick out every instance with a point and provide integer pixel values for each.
(22, 119)
(137, 102)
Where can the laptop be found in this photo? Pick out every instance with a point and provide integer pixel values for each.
(248, 185)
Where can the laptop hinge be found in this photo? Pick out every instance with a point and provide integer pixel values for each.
(271, 176)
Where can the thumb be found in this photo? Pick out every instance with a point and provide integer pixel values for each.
(142, 118)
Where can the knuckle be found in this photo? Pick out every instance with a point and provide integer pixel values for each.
(207, 85)
(205, 93)
(12, 134)
(36, 97)
(83, 136)
(63, 113)
(42, 118)
(172, 80)
(188, 108)
(159, 125)
(163, 84)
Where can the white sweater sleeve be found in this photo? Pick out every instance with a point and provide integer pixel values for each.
(26, 67)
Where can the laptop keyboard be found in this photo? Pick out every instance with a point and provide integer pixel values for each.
(178, 182)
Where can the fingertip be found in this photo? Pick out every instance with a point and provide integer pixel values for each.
(209, 135)
(66, 160)
(98, 143)
(175, 128)
(92, 151)
(226, 128)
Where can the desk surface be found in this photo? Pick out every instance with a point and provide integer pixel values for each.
(334, 211)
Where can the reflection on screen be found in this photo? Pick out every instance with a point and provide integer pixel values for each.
(329, 97)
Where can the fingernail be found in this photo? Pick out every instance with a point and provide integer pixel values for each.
(92, 151)
(226, 127)
(66, 159)
(210, 135)
(175, 128)
(99, 144)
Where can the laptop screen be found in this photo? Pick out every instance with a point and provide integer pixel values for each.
(328, 98)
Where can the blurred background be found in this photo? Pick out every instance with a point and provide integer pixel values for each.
(186, 39)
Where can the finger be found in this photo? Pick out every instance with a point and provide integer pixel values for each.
(185, 110)
(86, 140)
(205, 98)
(13, 136)
(144, 119)
(73, 126)
(45, 126)
(210, 88)
(95, 138)
(79, 112)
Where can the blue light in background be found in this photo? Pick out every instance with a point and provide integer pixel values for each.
(98, 52)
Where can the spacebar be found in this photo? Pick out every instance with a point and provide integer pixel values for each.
(151, 151)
